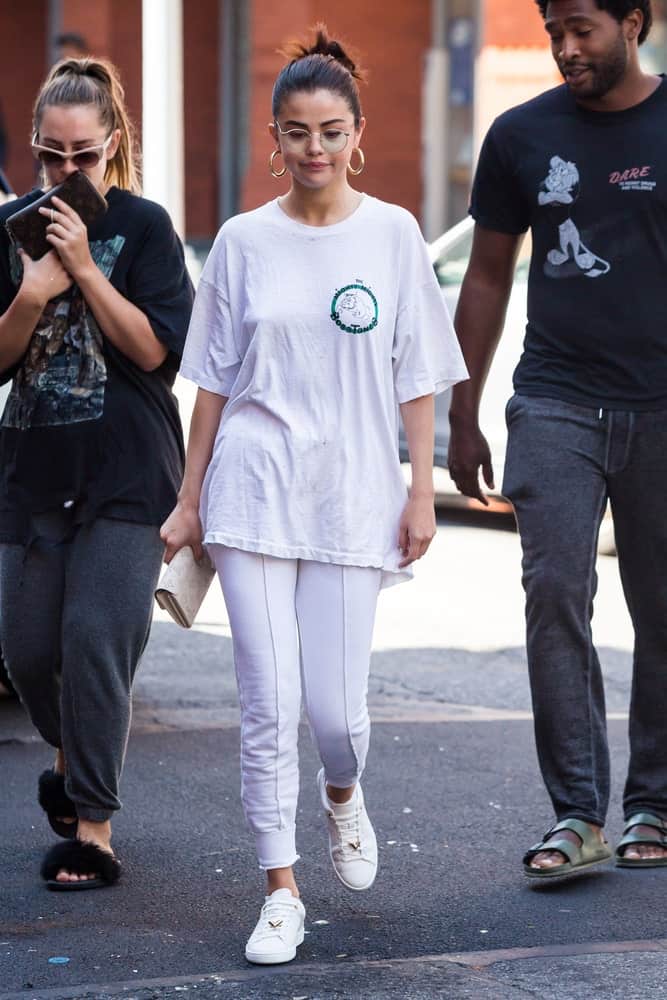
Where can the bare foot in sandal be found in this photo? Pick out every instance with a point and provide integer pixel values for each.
(642, 852)
(644, 841)
(98, 834)
(552, 859)
(569, 847)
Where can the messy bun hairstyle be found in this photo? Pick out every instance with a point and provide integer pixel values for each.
(324, 65)
(94, 82)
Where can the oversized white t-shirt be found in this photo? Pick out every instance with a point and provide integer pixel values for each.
(315, 335)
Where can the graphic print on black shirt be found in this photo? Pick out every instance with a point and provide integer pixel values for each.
(62, 377)
(591, 186)
(561, 188)
(84, 425)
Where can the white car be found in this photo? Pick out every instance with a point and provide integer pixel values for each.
(450, 254)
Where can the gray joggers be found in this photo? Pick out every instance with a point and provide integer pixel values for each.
(563, 462)
(75, 614)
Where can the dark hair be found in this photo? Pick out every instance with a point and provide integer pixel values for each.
(619, 9)
(73, 39)
(94, 81)
(324, 65)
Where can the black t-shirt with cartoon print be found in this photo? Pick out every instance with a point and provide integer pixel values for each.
(83, 425)
(592, 187)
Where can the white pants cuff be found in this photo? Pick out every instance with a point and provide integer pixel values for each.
(341, 779)
(276, 848)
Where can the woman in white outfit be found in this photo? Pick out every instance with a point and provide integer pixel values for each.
(317, 316)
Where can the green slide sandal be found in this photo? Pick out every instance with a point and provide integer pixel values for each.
(656, 839)
(591, 851)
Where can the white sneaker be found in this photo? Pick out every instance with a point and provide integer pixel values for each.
(279, 930)
(352, 844)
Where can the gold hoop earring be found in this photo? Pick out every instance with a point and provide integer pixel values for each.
(276, 173)
(362, 162)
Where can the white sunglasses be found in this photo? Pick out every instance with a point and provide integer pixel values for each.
(83, 159)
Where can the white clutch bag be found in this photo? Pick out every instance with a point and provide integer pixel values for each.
(183, 586)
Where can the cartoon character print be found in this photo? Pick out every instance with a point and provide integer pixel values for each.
(62, 377)
(354, 308)
(559, 191)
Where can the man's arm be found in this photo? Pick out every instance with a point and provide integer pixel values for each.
(479, 320)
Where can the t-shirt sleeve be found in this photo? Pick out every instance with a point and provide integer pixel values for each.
(426, 355)
(497, 201)
(212, 357)
(159, 283)
(7, 288)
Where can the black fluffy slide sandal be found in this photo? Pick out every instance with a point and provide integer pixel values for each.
(81, 859)
(55, 802)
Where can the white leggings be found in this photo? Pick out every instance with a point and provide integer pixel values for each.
(296, 622)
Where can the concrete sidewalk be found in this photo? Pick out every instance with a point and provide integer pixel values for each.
(449, 915)
(452, 785)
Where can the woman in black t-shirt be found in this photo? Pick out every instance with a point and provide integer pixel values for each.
(91, 455)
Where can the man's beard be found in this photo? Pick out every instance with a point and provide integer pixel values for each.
(604, 74)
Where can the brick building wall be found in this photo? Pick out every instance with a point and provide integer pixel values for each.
(507, 27)
(514, 62)
(24, 55)
(391, 36)
(112, 29)
(201, 85)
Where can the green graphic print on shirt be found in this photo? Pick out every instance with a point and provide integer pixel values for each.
(62, 376)
(354, 308)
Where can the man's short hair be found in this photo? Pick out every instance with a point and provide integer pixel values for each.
(72, 39)
(618, 9)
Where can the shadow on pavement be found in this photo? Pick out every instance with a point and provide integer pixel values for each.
(455, 804)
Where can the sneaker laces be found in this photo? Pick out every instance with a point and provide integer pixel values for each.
(275, 914)
(349, 835)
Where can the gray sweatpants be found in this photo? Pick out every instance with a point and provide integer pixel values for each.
(75, 614)
(563, 463)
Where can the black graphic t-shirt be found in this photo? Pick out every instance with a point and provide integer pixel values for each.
(592, 187)
(83, 425)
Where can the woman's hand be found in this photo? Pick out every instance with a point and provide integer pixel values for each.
(43, 279)
(182, 528)
(417, 528)
(68, 235)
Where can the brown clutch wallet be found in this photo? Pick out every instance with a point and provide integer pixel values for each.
(27, 227)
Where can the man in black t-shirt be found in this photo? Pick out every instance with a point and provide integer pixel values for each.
(584, 166)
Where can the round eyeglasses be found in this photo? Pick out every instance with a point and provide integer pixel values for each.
(297, 140)
(83, 159)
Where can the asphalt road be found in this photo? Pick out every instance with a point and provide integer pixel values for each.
(451, 784)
